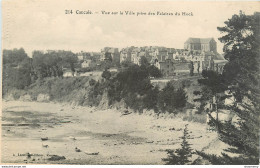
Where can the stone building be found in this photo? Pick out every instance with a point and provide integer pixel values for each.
(125, 54)
(203, 53)
(85, 64)
(219, 65)
(135, 56)
(110, 53)
(201, 44)
(165, 66)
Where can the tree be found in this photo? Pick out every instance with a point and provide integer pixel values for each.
(191, 66)
(92, 82)
(69, 59)
(132, 85)
(241, 47)
(51, 64)
(16, 78)
(171, 99)
(14, 57)
(16, 69)
(144, 62)
(212, 85)
(106, 74)
(182, 59)
(154, 71)
(126, 63)
(108, 56)
(151, 99)
(180, 156)
(166, 98)
(198, 67)
(181, 98)
(151, 69)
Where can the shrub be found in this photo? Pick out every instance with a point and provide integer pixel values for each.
(180, 156)
(131, 85)
(106, 74)
(171, 99)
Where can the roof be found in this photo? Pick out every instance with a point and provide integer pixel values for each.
(95, 53)
(180, 50)
(199, 40)
(113, 50)
(142, 53)
(149, 58)
(208, 53)
(162, 49)
(110, 50)
(195, 52)
(220, 61)
(185, 53)
(136, 50)
(128, 49)
(171, 50)
(218, 57)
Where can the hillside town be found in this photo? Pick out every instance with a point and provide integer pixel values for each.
(139, 105)
(200, 52)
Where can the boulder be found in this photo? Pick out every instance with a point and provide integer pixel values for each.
(9, 97)
(56, 157)
(26, 97)
(43, 98)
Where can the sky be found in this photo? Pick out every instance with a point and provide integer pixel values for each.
(43, 24)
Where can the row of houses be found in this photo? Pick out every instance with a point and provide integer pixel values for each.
(132, 54)
(201, 53)
(203, 61)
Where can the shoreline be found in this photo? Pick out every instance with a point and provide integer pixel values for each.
(133, 138)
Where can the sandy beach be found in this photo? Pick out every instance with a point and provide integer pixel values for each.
(44, 130)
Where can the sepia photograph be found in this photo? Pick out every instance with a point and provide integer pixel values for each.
(130, 82)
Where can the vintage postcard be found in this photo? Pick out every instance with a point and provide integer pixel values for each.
(130, 82)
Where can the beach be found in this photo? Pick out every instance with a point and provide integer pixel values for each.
(58, 133)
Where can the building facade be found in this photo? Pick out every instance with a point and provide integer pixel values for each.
(109, 53)
(166, 67)
(201, 44)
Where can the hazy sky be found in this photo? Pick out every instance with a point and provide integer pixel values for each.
(43, 24)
